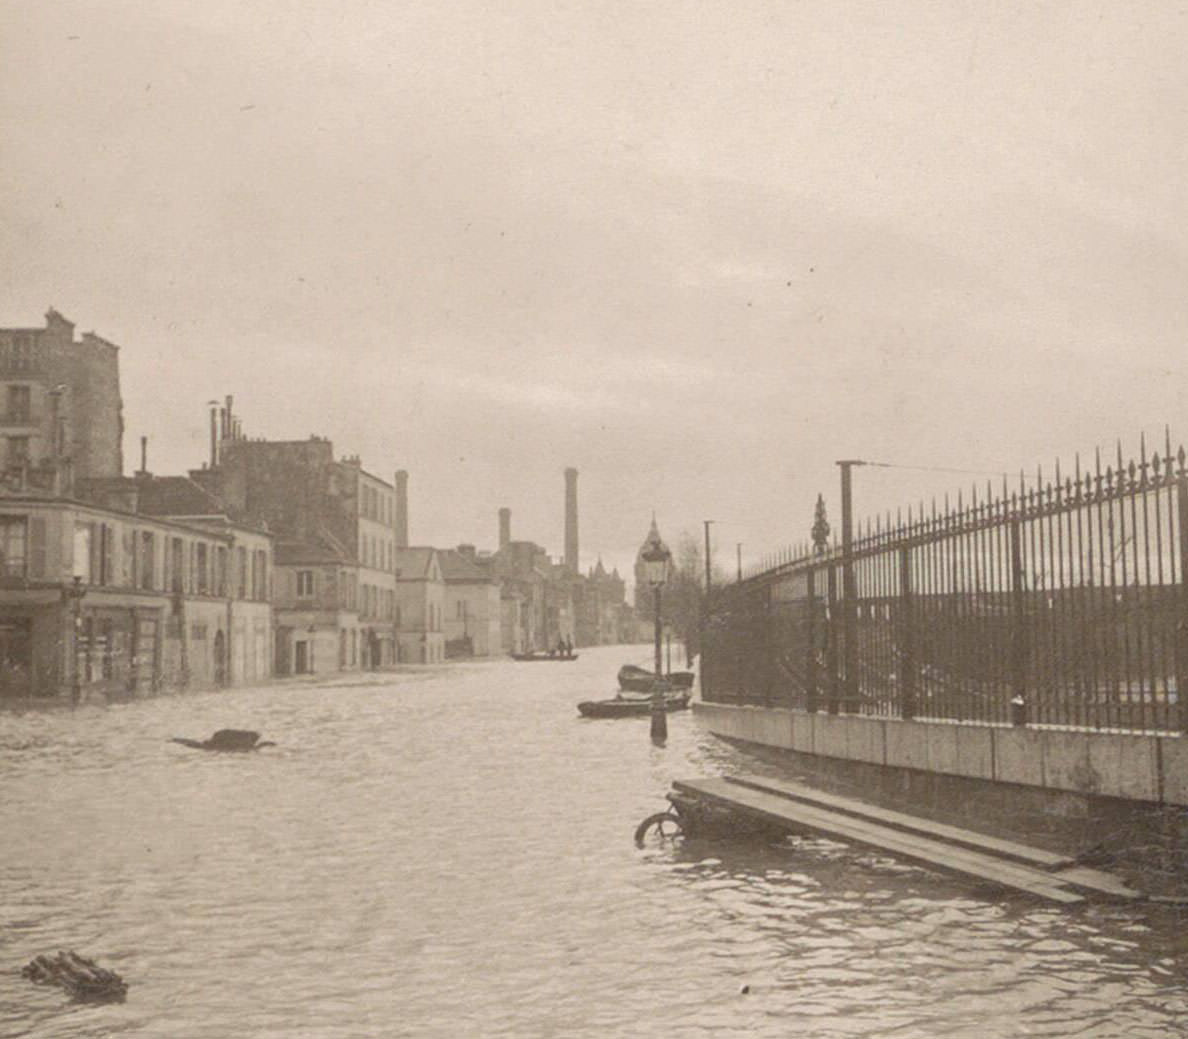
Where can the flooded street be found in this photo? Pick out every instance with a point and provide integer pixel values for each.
(448, 852)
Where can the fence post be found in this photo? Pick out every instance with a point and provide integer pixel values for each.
(810, 655)
(1018, 615)
(831, 630)
(769, 646)
(849, 589)
(907, 636)
(1182, 614)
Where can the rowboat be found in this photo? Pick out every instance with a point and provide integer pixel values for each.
(639, 680)
(544, 656)
(631, 707)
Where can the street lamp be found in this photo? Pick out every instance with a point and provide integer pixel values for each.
(656, 559)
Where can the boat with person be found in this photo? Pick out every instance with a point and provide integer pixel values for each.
(635, 679)
(544, 656)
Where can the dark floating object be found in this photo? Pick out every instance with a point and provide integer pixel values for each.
(638, 707)
(544, 656)
(228, 740)
(83, 979)
(634, 679)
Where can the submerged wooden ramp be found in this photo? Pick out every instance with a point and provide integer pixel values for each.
(801, 809)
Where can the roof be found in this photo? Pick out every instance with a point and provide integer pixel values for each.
(292, 552)
(176, 496)
(459, 569)
(414, 564)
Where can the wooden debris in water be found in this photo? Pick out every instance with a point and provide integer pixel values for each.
(82, 978)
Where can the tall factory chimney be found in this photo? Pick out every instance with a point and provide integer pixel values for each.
(504, 527)
(401, 508)
(571, 520)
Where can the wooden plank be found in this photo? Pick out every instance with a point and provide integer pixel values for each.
(1037, 857)
(1096, 882)
(800, 816)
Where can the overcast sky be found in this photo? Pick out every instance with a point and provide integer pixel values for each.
(698, 251)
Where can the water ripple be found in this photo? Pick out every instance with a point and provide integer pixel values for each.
(447, 853)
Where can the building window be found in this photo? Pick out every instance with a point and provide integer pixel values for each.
(146, 559)
(260, 575)
(82, 552)
(22, 352)
(221, 570)
(305, 584)
(18, 450)
(176, 578)
(203, 569)
(12, 546)
(18, 404)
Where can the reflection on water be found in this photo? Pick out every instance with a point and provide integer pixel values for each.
(448, 853)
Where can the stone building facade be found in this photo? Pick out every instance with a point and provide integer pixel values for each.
(420, 606)
(326, 512)
(472, 622)
(62, 415)
(97, 601)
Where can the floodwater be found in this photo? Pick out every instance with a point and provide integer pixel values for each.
(448, 852)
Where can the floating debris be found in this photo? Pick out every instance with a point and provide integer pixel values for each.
(82, 978)
(227, 740)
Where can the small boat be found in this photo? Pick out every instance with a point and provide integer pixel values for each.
(639, 680)
(544, 656)
(632, 707)
(227, 740)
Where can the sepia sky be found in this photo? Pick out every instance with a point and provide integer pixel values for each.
(699, 251)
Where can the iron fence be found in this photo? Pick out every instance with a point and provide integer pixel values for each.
(1065, 601)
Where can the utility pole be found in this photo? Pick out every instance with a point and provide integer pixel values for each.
(849, 588)
(703, 614)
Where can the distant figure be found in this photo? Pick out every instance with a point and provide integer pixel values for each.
(227, 740)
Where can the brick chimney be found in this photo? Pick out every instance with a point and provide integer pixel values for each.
(401, 508)
(571, 520)
(504, 527)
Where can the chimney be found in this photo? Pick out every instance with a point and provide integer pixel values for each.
(504, 527)
(218, 420)
(571, 520)
(401, 508)
(144, 456)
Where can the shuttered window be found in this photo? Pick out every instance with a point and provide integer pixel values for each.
(13, 554)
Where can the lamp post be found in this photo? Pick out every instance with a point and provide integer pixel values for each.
(656, 559)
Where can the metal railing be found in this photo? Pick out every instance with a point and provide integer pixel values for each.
(1065, 602)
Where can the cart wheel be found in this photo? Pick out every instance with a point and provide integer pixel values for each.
(663, 827)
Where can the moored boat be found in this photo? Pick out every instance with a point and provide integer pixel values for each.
(639, 680)
(629, 707)
(544, 656)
